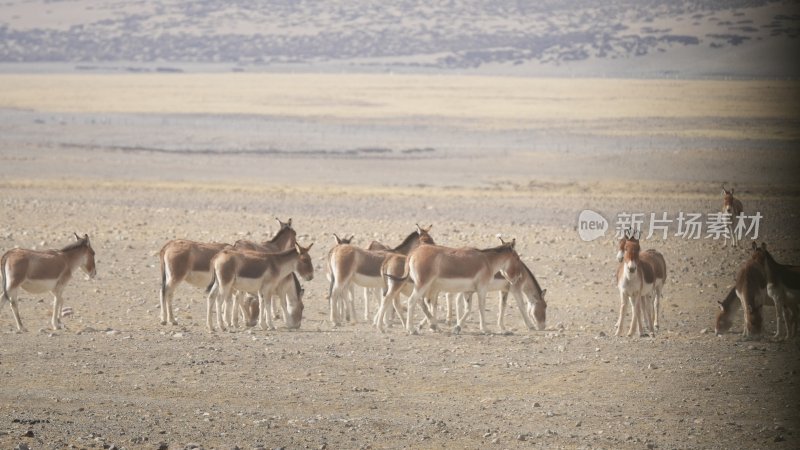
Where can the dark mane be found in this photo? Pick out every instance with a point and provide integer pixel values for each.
(408, 240)
(535, 281)
(77, 244)
(498, 249)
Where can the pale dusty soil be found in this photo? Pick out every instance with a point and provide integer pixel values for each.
(116, 377)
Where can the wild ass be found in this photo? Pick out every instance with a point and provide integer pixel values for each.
(635, 281)
(184, 260)
(349, 264)
(254, 272)
(783, 286)
(733, 208)
(44, 271)
(659, 267)
(528, 294)
(283, 240)
(290, 295)
(751, 288)
(190, 261)
(433, 269)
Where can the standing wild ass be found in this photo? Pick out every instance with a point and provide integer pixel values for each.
(44, 271)
(783, 286)
(635, 281)
(732, 207)
(254, 272)
(658, 265)
(433, 269)
(190, 261)
(350, 265)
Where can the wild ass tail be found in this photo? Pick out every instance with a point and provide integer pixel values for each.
(210, 286)
(3, 279)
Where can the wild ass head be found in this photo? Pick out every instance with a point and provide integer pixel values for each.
(630, 252)
(83, 246)
(727, 200)
(305, 267)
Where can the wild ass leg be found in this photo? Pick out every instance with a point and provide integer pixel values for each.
(656, 308)
(636, 320)
(780, 317)
(11, 298)
(418, 299)
(501, 310)
(481, 308)
(210, 300)
(55, 321)
(623, 302)
(523, 310)
(366, 304)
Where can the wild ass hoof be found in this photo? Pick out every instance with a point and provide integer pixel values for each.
(457, 329)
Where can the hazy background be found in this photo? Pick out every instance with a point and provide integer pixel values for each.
(628, 38)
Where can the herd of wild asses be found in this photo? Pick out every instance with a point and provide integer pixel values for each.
(256, 282)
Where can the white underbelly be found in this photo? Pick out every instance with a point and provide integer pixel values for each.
(365, 281)
(199, 279)
(251, 285)
(39, 286)
(455, 285)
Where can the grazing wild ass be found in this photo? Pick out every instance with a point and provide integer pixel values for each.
(349, 265)
(44, 271)
(733, 207)
(658, 265)
(751, 288)
(635, 281)
(290, 295)
(433, 269)
(256, 273)
(783, 286)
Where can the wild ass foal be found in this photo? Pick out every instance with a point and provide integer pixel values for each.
(733, 207)
(254, 272)
(433, 269)
(349, 265)
(658, 265)
(44, 271)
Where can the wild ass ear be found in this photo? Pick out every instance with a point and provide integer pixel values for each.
(337, 238)
(544, 291)
(721, 305)
(284, 224)
(76, 236)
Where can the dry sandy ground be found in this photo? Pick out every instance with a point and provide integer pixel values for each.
(116, 378)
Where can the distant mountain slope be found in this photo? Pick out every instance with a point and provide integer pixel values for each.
(584, 37)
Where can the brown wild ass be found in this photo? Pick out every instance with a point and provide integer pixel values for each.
(44, 271)
(783, 286)
(256, 273)
(528, 294)
(433, 269)
(190, 261)
(635, 281)
(733, 208)
(751, 288)
(184, 260)
(283, 240)
(349, 264)
(659, 267)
